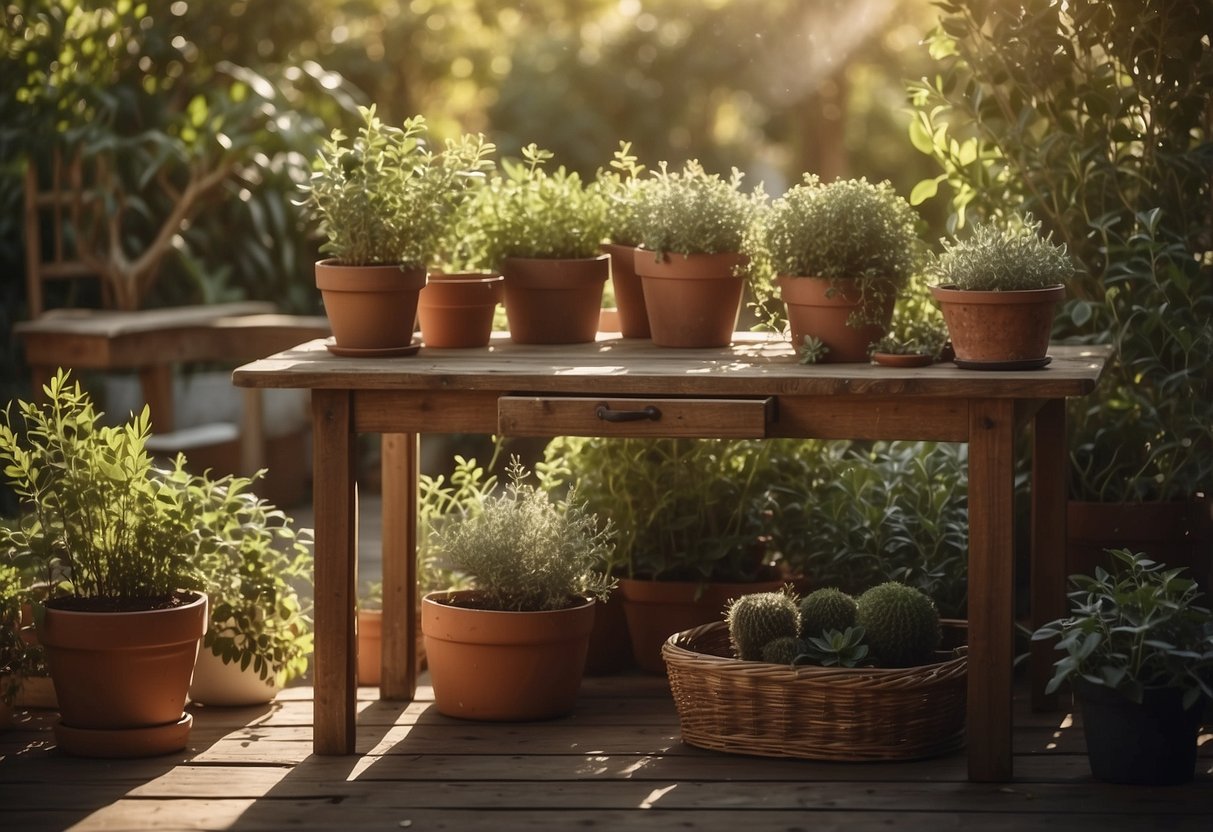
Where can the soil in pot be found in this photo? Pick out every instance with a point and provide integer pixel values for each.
(629, 292)
(997, 328)
(692, 300)
(822, 308)
(504, 666)
(554, 301)
(455, 311)
(371, 309)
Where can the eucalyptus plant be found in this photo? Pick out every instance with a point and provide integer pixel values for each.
(1003, 258)
(525, 210)
(524, 551)
(1135, 628)
(385, 196)
(691, 211)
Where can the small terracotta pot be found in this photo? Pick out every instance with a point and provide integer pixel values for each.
(554, 301)
(504, 666)
(629, 291)
(456, 310)
(371, 308)
(999, 326)
(693, 300)
(814, 310)
(656, 610)
(370, 647)
(123, 676)
(903, 360)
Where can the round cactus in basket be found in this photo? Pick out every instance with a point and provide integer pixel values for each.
(757, 619)
(901, 624)
(783, 650)
(825, 609)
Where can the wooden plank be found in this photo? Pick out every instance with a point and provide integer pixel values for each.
(1048, 543)
(406, 411)
(398, 681)
(991, 587)
(663, 417)
(885, 417)
(336, 545)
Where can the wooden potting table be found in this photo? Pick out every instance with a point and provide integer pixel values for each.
(618, 387)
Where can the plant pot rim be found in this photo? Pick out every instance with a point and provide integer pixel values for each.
(465, 277)
(949, 292)
(594, 257)
(190, 598)
(448, 598)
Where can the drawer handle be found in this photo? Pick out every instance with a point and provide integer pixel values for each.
(606, 414)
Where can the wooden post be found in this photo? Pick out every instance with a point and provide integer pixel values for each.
(1048, 560)
(398, 681)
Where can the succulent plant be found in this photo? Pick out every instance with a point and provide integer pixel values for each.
(759, 618)
(783, 650)
(835, 648)
(812, 350)
(828, 608)
(901, 623)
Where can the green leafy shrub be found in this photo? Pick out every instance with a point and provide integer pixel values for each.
(526, 211)
(386, 197)
(691, 211)
(524, 551)
(998, 258)
(17, 658)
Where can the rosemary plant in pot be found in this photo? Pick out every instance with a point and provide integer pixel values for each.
(997, 290)
(690, 261)
(384, 201)
(621, 185)
(1138, 651)
(116, 542)
(840, 253)
(513, 648)
(542, 229)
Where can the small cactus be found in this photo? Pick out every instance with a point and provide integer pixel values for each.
(901, 623)
(783, 650)
(759, 618)
(826, 609)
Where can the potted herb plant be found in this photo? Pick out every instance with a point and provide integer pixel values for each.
(384, 201)
(911, 342)
(17, 656)
(116, 542)
(458, 306)
(542, 230)
(997, 290)
(254, 563)
(621, 185)
(840, 253)
(513, 648)
(1139, 655)
(692, 224)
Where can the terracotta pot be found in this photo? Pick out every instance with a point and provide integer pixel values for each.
(999, 327)
(217, 683)
(504, 666)
(456, 310)
(370, 308)
(1177, 533)
(610, 646)
(370, 647)
(629, 292)
(121, 677)
(554, 301)
(814, 310)
(692, 300)
(903, 360)
(656, 610)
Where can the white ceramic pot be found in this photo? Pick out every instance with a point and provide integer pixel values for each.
(226, 685)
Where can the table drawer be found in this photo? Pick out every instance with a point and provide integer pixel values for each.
(574, 416)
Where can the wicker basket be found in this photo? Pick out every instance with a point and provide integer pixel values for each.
(815, 713)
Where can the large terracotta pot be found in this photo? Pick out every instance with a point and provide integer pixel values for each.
(554, 301)
(456, 310)
(217, 683)
(693, 300)
(656, 610)
(822, 307)
(371, 309)
(999, 328)
(504, 666)
(370, 647)
(629, 292)
(121, 677)
(610, 645)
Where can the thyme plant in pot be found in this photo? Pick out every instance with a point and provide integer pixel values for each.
(542, 231)
(117, 543)
(840, 253)
(1139, 655)
(513, 648)
(384, 200)
(255, 563)
(998, 289)
(690, 263)
(621, 185)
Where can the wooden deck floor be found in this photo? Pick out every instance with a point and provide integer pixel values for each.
(616, 763)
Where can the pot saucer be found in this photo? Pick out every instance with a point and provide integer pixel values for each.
(151, 741)
(1023, 364)
(889, 359)
(381, 352)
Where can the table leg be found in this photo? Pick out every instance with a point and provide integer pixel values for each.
(335, 504)
(1048, 561)
(399, 465)
(991, 587)
(156, 383)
